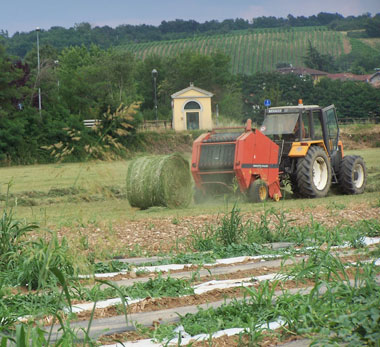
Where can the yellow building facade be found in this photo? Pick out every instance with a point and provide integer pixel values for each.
(192, 109)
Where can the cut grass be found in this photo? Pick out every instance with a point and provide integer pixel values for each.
(98, 180)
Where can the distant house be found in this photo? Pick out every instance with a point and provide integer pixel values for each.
(316, 75)
(348, 76)
(375, 79)
(192, 109)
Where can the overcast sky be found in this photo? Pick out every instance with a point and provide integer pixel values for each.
(26, 15)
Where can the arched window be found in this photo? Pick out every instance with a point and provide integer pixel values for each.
(192, 105)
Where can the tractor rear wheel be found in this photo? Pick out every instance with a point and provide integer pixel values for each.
(314, 173)
(352, 175)
(294, 185)
(258, 191)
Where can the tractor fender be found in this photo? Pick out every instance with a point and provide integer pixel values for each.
(300, 149)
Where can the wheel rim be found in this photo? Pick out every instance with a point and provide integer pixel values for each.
(320, 173)
(262, 193)
(358, 176)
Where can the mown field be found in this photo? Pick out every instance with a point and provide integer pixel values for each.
(66, 194)
(252, 51)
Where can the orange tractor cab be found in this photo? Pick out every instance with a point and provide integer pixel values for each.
(295, 144)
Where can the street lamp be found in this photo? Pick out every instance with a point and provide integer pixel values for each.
(38, 70)
(154, 75)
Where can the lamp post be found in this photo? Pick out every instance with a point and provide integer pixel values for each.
(38, 70)
(154, 75)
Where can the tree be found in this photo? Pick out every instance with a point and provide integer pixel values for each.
(372, 27)
(9, 91)
(318, 61)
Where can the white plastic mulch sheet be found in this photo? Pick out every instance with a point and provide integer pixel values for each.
(100, 304)
(198, 289)
(368, 241)
(187, 339)
(172, 267)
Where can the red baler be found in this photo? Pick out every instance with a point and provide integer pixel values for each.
(248, 156)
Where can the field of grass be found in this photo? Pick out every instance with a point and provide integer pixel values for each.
(252, 51)
(94, 192)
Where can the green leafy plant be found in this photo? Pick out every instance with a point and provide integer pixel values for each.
(11, 235)
(40, 257)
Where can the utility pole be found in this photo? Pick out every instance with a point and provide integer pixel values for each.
(38, 72)
(154, 75)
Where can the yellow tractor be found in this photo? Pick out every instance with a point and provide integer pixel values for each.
(311, 154)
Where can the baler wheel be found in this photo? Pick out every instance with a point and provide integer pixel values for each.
(314, 173)
(352, 174)
(258, 191)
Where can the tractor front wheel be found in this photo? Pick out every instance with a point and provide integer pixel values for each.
(258, 191)
(352, 174)
(314, 173)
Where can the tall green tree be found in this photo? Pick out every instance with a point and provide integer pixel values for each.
(318, 61)
(9, 74)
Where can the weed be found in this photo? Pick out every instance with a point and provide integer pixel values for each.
(232, 234)
(157, 287)
(175, 221)
(204, 239)
(111, 266)
(231, 229)
(39, 257)
(11, 233)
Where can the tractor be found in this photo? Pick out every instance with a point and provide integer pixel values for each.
(299, 145)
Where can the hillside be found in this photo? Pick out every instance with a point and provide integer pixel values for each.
(252, 51)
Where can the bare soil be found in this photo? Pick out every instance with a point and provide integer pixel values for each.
(159, 235)
(356, 138)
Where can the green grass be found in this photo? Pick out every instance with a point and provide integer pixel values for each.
(99, 194)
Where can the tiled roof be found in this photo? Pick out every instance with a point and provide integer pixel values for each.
(302, 71)
(348, 76)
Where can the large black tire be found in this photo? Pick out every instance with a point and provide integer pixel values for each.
(294, 185)
(258, 191)
(314, 173)
(352, 174)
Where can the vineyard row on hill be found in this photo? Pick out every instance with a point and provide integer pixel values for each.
(251, 51)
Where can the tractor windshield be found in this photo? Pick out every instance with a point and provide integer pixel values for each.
(279, 123)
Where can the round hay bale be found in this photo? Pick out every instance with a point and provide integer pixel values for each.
(159, 181)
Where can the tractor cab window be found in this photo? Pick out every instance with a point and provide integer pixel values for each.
(305, 125)
(317, 125)
(332, 127)
(279, 123)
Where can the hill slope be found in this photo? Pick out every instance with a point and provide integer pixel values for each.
(252, 51)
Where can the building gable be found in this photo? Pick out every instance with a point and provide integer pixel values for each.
(192, 92)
